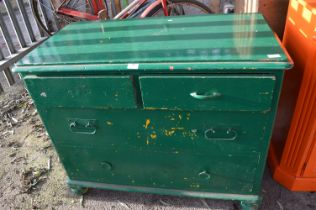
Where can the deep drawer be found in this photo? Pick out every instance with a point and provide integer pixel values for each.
(227, 93)
(83, 92)
(172, 148)
(170, 131)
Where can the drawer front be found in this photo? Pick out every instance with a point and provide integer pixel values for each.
(227, 93)
(200, 151)
(170, 131)
(83, 92)
(191, 172)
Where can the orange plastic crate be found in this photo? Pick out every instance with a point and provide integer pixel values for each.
(292, 155)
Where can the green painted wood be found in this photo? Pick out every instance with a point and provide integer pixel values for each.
(220, 93)
(169, 146)
(91, 92)
(195, 41)
(161, 191)
(175, 105)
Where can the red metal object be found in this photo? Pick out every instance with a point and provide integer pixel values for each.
(75, 13)
(132, 9)
(101, 5)
(149, 8)
(292, 155)
(164, 7)
(95, 7)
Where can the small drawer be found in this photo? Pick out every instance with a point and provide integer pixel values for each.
(82, 92)
(220, 93)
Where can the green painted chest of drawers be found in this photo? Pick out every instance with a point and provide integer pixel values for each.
(172, 105)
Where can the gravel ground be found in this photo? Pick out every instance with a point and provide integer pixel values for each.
(31, 176)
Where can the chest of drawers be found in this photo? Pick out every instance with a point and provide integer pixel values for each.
(172, 105)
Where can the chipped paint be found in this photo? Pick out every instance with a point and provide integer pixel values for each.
(150, 108)
(264, 93)
(180, 116)
(188, 115)
(195, 185)
(109, 123)
(43, 94)
(138, 135)
(177, 128)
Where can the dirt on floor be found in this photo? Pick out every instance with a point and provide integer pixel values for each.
(31, 176)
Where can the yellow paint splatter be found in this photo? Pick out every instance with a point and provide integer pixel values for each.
(147, 123)
(153, 135)
(109, 123)
(169, 132)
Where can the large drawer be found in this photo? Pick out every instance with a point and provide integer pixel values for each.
(200, 151)
(82, 92)
(227, 93)
(192, 172)
(171, 131)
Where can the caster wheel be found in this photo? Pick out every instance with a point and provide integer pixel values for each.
(78, 190)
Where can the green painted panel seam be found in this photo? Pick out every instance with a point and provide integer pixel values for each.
(137, 92)
(150, 67)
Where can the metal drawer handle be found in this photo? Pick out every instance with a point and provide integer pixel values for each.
(205, 96)
(82, 126)
(231, 135)
(204, 175)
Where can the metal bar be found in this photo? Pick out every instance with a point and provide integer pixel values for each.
(75, 13)
(1, 55)
(15, 23)
(1, 88)
(131, 5)
(91, 6)
(9, 76)
(26, 20)
(6, 35)
(113, 9)
(15, 57)
(40, 30)
(49, 19)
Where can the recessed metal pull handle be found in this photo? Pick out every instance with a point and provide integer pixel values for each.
(82, 126)
(214, 94)
(229, 134)
(204, 174)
